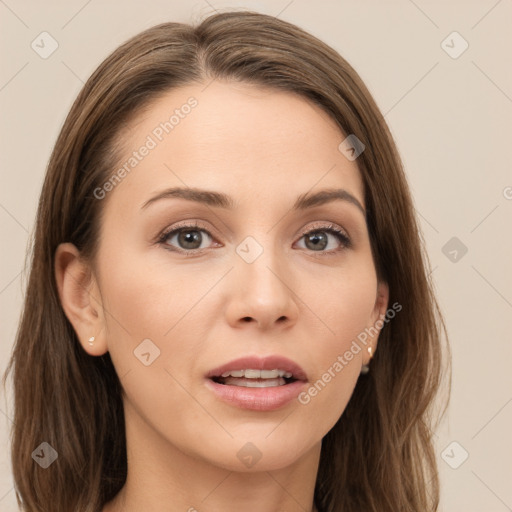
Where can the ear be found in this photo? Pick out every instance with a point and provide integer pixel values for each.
(80, 298)
(377, 319)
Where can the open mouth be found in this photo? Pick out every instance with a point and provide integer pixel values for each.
(257, 383)
(251, 378)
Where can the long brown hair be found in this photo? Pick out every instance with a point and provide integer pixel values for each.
(379, 456)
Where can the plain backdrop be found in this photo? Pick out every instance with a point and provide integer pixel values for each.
(440, 72)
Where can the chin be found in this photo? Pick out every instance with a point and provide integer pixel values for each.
(259, 453)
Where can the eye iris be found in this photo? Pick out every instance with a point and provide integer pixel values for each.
(318, 239)
(188, 238)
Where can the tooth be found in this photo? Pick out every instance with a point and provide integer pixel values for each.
(257, 374)
(251, 374)
(253, 383)
(264, 383)
(270, 374)
(233, 373)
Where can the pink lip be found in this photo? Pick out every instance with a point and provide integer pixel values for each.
(258, 399)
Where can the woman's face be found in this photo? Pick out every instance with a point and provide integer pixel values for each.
(243, 281)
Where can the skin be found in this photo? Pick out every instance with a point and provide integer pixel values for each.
(264, 148)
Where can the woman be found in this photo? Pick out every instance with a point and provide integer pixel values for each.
(225, 240)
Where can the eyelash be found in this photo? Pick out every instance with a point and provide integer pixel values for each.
(330, 228)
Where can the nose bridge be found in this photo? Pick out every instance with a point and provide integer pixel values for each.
(262, 292)
(257, 265)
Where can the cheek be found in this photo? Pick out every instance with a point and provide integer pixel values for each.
(153, 337)
(346, 304)
(345, 310)
(150, 302)
(147, 295)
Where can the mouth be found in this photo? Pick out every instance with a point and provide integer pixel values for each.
(253, 378)
(257, 372)
(257, 384)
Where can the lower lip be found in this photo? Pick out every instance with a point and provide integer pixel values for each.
(257, 399)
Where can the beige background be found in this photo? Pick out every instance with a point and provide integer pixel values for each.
(451, 119)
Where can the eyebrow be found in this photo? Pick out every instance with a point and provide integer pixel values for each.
(221, 200)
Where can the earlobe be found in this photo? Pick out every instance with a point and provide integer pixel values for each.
(80, 298)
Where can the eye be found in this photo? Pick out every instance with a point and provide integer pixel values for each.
(193, 238)
(186, 238)
(320, 238)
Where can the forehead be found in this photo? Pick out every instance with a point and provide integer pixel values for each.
(240, 138)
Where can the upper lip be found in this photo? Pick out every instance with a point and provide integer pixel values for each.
(272, 362)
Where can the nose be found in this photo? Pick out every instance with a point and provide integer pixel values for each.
(262, 293)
